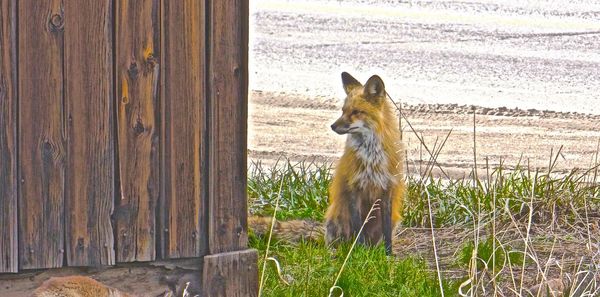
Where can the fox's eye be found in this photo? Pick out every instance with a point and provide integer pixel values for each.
(355, 112)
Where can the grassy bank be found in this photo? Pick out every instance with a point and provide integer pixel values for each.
(504, 192)
(310, 269)
(500, 234)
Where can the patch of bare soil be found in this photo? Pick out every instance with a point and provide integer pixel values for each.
(297, 127)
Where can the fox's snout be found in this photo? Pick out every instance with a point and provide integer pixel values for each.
(340, 127)
(333, 127)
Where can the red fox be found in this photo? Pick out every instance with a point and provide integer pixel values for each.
(371, 167)
(76, 286)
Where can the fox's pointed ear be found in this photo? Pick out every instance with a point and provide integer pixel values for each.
(349, 82)
(374, 88)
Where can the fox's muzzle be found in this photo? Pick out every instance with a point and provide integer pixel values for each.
(334, 127)
(340, 127)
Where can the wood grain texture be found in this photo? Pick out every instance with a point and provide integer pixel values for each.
(231, 274)
(42, 149)
(137, 74)
(8, 141)
(183, 125)
(89, 187)
(228, 125)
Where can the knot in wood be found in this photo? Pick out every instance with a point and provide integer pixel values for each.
(46, 144)
(151, 61)
(56, 22)
(47, 152)
(133, 70)
(138, 129)
(80, 243)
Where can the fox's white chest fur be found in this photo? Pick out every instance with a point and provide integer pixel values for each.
(373, 169)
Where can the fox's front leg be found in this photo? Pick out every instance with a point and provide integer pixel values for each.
(380, 226)
(336, 226)
(386, 220)
(354, 208)
(343, 218)
(334, 221)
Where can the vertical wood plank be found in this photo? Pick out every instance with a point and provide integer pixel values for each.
(228, 125)
(41, 134)
(8, 133)
(230, 274)
(137, 46)
(183, 98)
(89, 188)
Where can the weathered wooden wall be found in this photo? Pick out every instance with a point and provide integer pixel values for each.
(41, 146)
(230, 270)
(123, 135)
(137, 74)
(8, 137)
(183, 126)
(89, 126)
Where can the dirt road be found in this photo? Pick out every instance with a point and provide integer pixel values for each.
(297, 127)
(540, 56)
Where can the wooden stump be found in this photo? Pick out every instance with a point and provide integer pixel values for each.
(231, 274)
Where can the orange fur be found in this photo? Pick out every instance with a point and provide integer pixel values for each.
(76, 286)
(372, 165)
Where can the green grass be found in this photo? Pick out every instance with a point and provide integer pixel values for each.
(459, 202)
(489, 256)
(512, 200)
(305, 188)
(311, 268)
